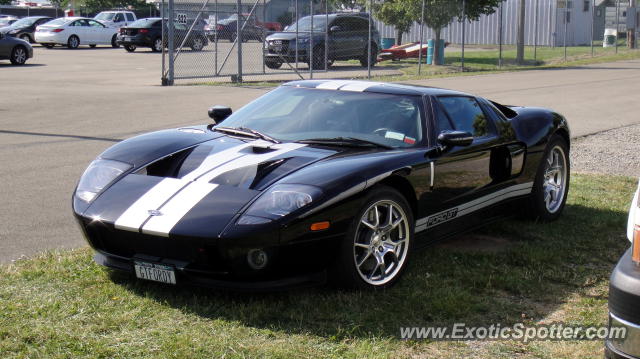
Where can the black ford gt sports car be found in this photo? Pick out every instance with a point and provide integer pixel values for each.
(343, 178)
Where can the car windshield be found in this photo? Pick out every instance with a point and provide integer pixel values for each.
(59, 21)
(27, 21)
(304, 24)
(297, 114)
(143, 23)
(108, 16)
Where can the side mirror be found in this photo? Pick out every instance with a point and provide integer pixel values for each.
(455, 138)
(219, 113)
(335, 28)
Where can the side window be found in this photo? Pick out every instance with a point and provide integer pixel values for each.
(42, 21)
(360, 24)
(130, 17)
(81, 22)
(466, 114)
(119, 18)
(344, 25)
(443, 120)
(94, 23)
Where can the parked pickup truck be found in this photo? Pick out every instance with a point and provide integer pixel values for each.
(116, 19)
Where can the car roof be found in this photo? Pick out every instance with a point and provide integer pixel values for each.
(371, 86)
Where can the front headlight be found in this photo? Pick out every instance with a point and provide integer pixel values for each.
(279, 201)
(97, 176)
(13, 32)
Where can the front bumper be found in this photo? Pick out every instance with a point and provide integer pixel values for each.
(212, 279)
(624, 309)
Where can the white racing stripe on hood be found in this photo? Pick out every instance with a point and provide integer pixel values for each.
(177, 207)
(333, 85)
(250, 160)
(138, 212)
(174, 198)
(359, 86)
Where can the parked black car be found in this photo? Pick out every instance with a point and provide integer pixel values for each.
(347, 34)
(148, 33)
(15, 50)
(227, 29)
(25, 27)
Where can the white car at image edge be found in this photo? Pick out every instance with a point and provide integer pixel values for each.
(75, 31)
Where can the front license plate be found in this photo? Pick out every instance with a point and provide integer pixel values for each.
(155, 272)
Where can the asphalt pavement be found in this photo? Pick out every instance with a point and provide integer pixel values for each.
(64, 107)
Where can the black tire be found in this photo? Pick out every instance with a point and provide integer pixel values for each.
(130, 48)
(362, 243)
(197, 44)
(93, 46)
(232, 37)
(374, 56)
(19, 55)
(157, 45)
(26, 38)
(318, 62)
(273, 64)
(114, 42)
(537, 207)
(73, 42)
(48, 46)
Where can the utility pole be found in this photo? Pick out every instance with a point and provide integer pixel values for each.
(617, 23)
(520, 41)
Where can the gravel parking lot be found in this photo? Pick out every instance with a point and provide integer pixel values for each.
(612, 152)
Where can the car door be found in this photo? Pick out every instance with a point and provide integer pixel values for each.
(465, 178)
(129, 19)
(99, 33)
(81, 29)
(119, 20)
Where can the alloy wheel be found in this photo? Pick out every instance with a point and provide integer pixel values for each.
(555, 179)
(381, 242)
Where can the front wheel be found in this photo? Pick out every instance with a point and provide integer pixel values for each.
(197, 44)
(114, 42)
(73, 42)
(373, 58)
(130, 48)
(18, 55)
(551, 184)
(274, 65)
(375, 251)
(157, 45)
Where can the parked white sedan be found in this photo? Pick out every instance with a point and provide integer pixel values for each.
(75, 31)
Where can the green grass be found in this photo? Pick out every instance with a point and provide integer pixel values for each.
(62, 305)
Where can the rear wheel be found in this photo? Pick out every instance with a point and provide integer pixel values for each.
(318, 61)
(232, 37)
(73, 42)
(18, 55)
(197, 44)
(130, 48)
(551, 184)
(273, 64)
(375, 251)
(373, 56)
(114, 42)
(157, 45)
(26, 38)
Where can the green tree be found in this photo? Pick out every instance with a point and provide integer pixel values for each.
(99, 5)
(5, 2)
(440, 13)
(399, 13)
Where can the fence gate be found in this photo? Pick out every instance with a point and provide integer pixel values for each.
(264, 40)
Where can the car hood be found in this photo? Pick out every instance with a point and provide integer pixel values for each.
(196, 190)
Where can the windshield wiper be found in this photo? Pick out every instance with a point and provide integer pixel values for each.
(345, 141)
(243, 131)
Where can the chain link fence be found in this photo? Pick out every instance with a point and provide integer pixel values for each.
(278, 40)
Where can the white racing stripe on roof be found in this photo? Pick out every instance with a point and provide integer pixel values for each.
(177, 207)
(138, 212)
(333, 85)
(359, 86)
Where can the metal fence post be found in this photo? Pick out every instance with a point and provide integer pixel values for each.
(617, 23)
(297, 39)
(326, 35)
(369, 49)
(215, 38)
(172, 47)
(535, 33)
(564, 36)
(239, 39)
(500, 37)
(163, 79)
(593, 14)
(463, 34)
(421, 38)
(311, 62)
